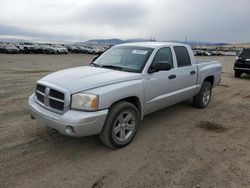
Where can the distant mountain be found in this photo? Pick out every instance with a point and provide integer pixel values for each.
(112, 42)
(137, 40)
(240, 45)
(13, 40)
(115, 41)
(199, 43)
(102, 42)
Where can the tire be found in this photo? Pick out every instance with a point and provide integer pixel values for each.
(47, 52)
(26, 51)
(237, 74)
(116, 132)
(202, 99)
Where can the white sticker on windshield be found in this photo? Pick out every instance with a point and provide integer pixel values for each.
(142, 52)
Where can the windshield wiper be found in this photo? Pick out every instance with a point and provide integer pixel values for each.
(94, 64)
(113, 67)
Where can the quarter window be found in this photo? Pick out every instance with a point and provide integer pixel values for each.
(182, 56)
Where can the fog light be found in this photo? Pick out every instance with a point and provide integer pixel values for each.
(69, 130)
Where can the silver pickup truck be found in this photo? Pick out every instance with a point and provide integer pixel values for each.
(112, 95)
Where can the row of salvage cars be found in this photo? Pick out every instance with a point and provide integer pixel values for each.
(28, 48)
(214, 53)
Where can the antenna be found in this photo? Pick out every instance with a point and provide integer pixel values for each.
(81, 35)
(186, 39)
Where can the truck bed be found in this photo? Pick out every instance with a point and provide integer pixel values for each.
(209, 68)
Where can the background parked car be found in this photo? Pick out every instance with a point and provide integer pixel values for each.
(9, 49)
(59, 49)
(27, 47)
(214, 53)
(86, 49)
(71, 48)
(90, 50)
(242, 63)
(48, 49)
(39, 49)
(1, 47)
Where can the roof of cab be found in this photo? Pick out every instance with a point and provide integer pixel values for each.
(152, 44)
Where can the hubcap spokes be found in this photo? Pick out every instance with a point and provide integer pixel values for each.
(206, 96)
(124, 126)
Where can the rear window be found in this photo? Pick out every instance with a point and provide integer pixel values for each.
(182, 56)
(245, 54)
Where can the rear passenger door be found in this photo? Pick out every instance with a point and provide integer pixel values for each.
(186, 76)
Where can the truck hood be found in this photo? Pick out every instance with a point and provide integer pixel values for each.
(87, 77)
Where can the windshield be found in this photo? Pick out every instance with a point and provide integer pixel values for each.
(57, 46)
(45, 46)
(245, 54)
(9, 45)
(126, 58)
(27, 43)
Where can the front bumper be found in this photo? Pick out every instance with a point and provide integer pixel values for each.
(241, 68)
(82, 123)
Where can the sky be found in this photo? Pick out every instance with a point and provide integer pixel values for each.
(81, 20)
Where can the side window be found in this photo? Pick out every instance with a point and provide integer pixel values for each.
(182, 56)
(164, 55)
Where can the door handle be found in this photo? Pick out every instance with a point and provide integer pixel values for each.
(193, 72)
(173, 76)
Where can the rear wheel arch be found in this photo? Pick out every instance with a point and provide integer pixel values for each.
(209, 79)
(202, 99)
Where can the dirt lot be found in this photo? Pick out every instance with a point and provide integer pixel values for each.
(180, 146)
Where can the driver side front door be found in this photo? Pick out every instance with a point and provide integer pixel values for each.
(159, 87)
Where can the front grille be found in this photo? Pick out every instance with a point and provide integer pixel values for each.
(50, 98)
(56, 104)
(40, 97)
(56, 94)
(40, 88)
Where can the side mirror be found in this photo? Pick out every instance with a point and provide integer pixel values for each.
(159, 66)
(94, 58)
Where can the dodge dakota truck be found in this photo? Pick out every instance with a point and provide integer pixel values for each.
(112, 95)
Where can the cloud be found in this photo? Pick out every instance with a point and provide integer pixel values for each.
(206, 20)
(113, 13)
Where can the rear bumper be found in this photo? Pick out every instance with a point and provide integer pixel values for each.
(82, 123)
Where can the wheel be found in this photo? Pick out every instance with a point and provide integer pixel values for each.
(121, 125)
(202, 99)
(237, 74)
(26, 51)
(46, 51)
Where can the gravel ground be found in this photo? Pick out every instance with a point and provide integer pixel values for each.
(179, 146)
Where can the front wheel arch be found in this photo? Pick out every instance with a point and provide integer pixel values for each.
(133, 100)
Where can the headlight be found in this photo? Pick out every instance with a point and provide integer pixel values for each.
(84, 101)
